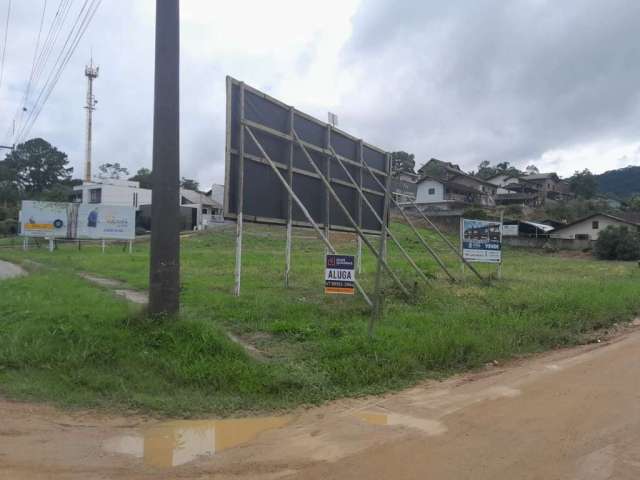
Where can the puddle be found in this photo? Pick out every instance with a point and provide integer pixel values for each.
(425, 425)
(178, 442)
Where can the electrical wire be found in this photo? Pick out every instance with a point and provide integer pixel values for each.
(4, 46)
(69, 47)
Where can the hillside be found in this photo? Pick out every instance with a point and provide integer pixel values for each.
(621, 183)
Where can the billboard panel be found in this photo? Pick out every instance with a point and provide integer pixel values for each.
(74, 220)
(481, 241)
(264, 197)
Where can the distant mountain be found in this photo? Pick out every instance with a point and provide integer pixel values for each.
(621, 183)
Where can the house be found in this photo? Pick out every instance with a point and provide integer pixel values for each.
(550, 186)
(112, 191)
(525, 228)
(206, 210)
(446, 185)
(404, 186)
(513, 190)
(589, 228)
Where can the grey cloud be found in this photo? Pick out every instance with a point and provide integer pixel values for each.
(495, 80)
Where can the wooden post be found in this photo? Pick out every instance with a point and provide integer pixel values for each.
(240, 199)
(287, 254)
(304, 210)
(377, 313)
(384, 228)
(347, 214)
(359, 240)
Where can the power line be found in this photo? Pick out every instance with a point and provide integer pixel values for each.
(21, 107)
(4, 46)
(74, 36)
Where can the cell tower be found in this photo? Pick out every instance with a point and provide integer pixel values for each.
(91, 73)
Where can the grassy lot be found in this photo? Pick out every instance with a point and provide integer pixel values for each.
(64, 340)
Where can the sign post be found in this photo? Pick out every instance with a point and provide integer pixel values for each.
(481, 241)
(339, 276)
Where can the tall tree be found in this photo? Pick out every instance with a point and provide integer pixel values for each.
(143, 176)
(486, 170)
(189, 184)
(584, 184)
(34, 167)
(112, 170)
(402, 162)
(531, 169)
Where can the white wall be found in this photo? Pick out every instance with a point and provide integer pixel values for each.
(116, 194)
(423, 195)
(586, 228)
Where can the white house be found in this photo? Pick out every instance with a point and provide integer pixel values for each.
(112, 192)
(589, 228)
(430, 190)
(207, 210)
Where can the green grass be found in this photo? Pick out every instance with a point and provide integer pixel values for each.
(64, 340)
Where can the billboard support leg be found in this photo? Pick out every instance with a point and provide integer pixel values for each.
(103, 245)
(413, 228)
(25, 243)
(500, 264)
(359, 256)
(345, 210)
(453, 248)
(287, 253)
(378, 310)
(383, 223)
(51, 244)
(130, 247)
(303, 209)
(240, 205)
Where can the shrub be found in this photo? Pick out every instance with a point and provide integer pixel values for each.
(9, 227)
(618, 243)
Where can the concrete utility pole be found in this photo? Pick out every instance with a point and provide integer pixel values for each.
(164, 267)
(91, 73)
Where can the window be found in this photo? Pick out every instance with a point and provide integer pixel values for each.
(582, 236)
(432, 191)
(95, 195)
(135, 199)
(205, 211)
(595, 224)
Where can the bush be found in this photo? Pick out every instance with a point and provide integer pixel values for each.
(9, 227)
(475, 213)
(618, 243)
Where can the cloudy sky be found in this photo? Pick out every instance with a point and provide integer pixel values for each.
(553, 83)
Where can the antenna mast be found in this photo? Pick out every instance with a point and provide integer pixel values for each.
(91, 73)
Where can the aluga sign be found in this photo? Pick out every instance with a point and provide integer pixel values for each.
(339, 275)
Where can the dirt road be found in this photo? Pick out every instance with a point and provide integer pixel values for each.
(573, 414)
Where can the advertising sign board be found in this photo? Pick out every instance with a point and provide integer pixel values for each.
(339, 275)
(73, 220)
(481, 241)
(510, 230)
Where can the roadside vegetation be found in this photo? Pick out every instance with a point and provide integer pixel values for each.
(73, 343)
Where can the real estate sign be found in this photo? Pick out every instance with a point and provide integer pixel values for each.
(339, 274)
(73, 220)
(481, 241)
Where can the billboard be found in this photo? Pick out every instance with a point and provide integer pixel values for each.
(77, 220)
(265, 199)
(481, 241)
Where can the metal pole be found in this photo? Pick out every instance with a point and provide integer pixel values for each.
(103, 245)
(327, 198)
(287, 254)
(304, 209)
(164, 265)
(240, 200)
(345, 210)
(51, 245)
(91, 73)
(130, 247)
(359, 240)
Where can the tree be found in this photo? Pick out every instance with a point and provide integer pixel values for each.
(402, 162)
(33, 167)
(584, 184)
(486, 170)
(531, 169)
(189, 184)
(143, 176)
(617, 243)
(112, 170)
(634, 203)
